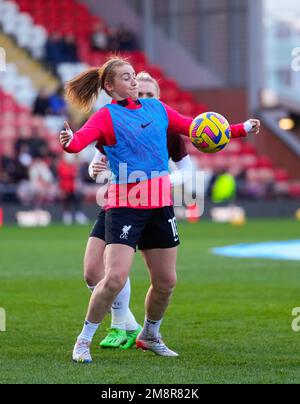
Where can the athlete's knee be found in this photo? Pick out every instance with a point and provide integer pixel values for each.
(114, 283)
(165, 286)
(92, 273)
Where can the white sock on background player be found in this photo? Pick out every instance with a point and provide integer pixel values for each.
(120, 307)
(122, 317)
(131, 323)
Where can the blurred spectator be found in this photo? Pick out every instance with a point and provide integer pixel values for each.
(31, 143)
(14, 171)
(126, 38)
(38, 189)
(57, 103)
(41, 106)
(38, 144)
(67, 172)
(23, 162)
(99, 38)
(7, 164)
(21, 176)
(7, 174)
(260, 184)
(241, 183)
(70, 54)
(54, 50)
(24, 138)
(41, 183)
(113, 40)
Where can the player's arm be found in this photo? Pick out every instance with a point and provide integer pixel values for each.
(98, 165)
(250, 127)
(179, 155)
(98, 128)
(180, 124)
(183, 173)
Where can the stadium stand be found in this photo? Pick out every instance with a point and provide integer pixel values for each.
(28, 25)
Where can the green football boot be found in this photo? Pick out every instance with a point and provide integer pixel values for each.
(114, 338)
(131, 338)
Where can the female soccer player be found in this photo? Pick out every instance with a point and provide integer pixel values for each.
(124, 328)
(134, 136)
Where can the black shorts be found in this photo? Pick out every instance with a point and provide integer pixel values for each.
(99, 227)
(145, 228)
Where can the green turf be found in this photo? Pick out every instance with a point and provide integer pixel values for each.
(230, 319)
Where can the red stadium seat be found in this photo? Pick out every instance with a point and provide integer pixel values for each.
(14, 118)
(281, 175)
(294, 190)
(249, 161)
(186, 108)
(248, 148)
(234, 147)
(264, 162)
(199, 109)
(186, 96)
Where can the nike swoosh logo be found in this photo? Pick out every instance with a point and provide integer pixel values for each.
(146, 125)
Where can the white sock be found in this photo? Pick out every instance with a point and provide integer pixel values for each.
(151, 328)
(88, 331)
(120, 307)
(92, 288)
(131, 323)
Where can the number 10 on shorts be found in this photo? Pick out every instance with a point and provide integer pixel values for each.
(174, 228)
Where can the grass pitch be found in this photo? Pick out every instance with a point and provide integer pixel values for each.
(230, 319)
